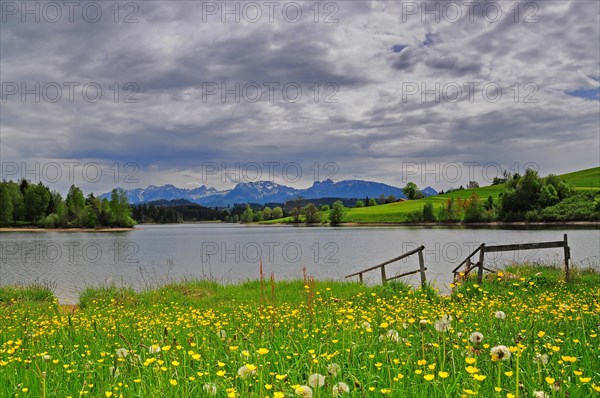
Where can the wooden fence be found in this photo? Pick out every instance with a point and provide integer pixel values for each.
(482, 249)
(384, 278)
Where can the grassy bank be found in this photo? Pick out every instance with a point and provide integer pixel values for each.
(268, 339)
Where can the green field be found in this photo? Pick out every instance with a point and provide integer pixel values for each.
(589, 178)
(522, 332)
(400, 211)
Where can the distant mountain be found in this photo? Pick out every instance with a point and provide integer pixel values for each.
(262, 192)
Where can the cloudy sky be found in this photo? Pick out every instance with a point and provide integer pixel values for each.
(191, 92)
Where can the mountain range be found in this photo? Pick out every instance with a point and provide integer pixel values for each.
(265, 192)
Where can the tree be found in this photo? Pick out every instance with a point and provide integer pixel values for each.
(450, 211)
(359, 204)
(6, 207)
(325, 208)
(311, 214)
(18, 201)
(428, 214)
(473, 184)
(336, 215)
(391, 199)
(36, 199)
(372, 202)
(474, 210)
(258, 216)
(277, 212)
(548, 196)
(247, 215)
(381, 199)
(267, 213)
(412, 191)
(75, 202)
(295, 213)
(119, 206)
(523, 195)
(489, 204)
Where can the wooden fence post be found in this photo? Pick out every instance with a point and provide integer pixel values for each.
(383, 277)
(422, 268)
(567, 258)
(480, 271)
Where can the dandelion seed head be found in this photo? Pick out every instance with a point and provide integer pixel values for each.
(340, 389)
(476, 338)
(122, 352)
(210, 389)
(500, 353)
(333, 369)
(304, 391)
(316, 380)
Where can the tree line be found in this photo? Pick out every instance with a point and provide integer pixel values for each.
(24, 203)
(526, 198)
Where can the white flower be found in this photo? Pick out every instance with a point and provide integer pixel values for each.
(154, 349)
(541, 358)
(316, 380)
(500, 353)
(46, 357)
(114, 371)
(245, 371)
(304, 391)
(333, 369)
(122, 352)
(443, 325)
(500, 315)
(540, 394)
(392, 335)
(210, 388)
(476, 338)
(340, 388)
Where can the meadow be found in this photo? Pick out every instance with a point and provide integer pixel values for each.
(523, 332)
(401, 212)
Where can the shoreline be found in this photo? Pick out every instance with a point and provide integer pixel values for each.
(27, 229)
(442, 224)
(347, 224)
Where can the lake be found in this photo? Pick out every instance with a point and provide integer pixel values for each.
(152, 255)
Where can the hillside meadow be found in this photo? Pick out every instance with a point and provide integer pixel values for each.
(402, 212)
(523, 332)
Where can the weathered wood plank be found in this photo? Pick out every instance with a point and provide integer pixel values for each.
(388, 261)
(405, 274)
(468, 257)
(524, 246)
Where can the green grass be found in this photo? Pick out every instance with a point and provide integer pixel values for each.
(265, 340)
(589, 178)
(400, 212)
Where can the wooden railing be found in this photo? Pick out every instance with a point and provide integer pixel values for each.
(482, 249)
(384, 278)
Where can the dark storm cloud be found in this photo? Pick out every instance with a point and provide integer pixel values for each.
(171, 52)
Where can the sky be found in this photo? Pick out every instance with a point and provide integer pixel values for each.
(190, 93)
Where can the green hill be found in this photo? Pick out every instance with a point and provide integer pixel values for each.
(584, 179)
(401, 211)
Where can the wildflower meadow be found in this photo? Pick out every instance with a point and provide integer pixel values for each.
(522, 332)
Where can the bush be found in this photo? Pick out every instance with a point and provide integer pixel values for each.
(428, 214)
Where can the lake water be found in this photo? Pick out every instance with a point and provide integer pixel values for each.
(151, 255)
